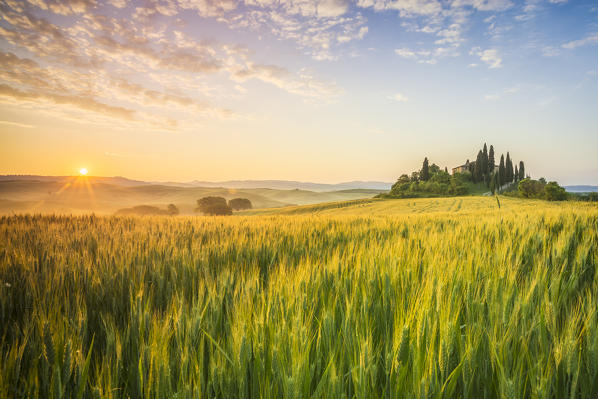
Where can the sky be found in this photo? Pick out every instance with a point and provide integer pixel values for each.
(320, 90)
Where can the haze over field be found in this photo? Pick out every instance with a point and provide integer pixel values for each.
(104, 195)
(321, 90)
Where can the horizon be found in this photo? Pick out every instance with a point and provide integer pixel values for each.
(158, 182)
(309, 91)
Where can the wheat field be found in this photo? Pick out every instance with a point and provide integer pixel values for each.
(451, 297)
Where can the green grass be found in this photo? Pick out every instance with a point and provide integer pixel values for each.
(447, 297)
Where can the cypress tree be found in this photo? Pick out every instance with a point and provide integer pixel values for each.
(425, 175)
(478, 173)
(485, 160)
(521, 170)
(508, 169)
(501, 171)
(491, 161)
(516, 174)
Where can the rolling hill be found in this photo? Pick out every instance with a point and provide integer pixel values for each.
(107, 195)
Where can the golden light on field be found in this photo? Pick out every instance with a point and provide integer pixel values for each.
(83, 171)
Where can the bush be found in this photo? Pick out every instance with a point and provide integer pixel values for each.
(172, 209)
(529, 188)
(213, 206)
(554, 192)
(239, 204)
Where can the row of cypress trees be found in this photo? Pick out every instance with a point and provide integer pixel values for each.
(485, 169)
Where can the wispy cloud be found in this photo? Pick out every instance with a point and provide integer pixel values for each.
(17, 124)
(398, 97)
(588, 40)
(490, 56)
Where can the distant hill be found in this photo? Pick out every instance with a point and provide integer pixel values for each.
(77, 195)
(118, 180)
(272, 184)
(292, 185)
(581, 189)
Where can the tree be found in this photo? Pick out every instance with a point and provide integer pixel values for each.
(172, 209)
(485, 160)
(425, 173)
(508, 169)
(521, 170)
(213, 206)
(445, 169)
(529, 188)
(491, 159)
(501, 172)
(516, 174)
(239, 204)
(554, 192)
(478, 171)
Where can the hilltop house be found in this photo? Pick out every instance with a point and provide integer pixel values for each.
(467, 166)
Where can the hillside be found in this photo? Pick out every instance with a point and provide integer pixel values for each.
(422, 206)
(83, 194)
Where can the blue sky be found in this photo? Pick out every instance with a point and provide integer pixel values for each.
(324, 91)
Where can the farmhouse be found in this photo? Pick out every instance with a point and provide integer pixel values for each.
(467, 166)
(463, 168)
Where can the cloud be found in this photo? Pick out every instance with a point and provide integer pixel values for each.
(64, 7)
(406, 8)
(484, 5)
(318, 27)
(489, 56)
(549, 51)
(588, 40)
(406, 53)
(398, 97)
(511, 90)
(17, 124)
(303, 83)
(84, 103)
(332, 8)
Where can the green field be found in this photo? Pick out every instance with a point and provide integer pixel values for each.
(447, 297)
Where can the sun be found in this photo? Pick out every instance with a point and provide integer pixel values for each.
(83, 171)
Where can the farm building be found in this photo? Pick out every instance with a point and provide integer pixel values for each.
(467, 166)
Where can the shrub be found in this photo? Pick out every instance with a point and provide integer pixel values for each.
(529, 188)
(554, 192)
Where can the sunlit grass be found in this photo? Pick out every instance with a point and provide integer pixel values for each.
(400, 298)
